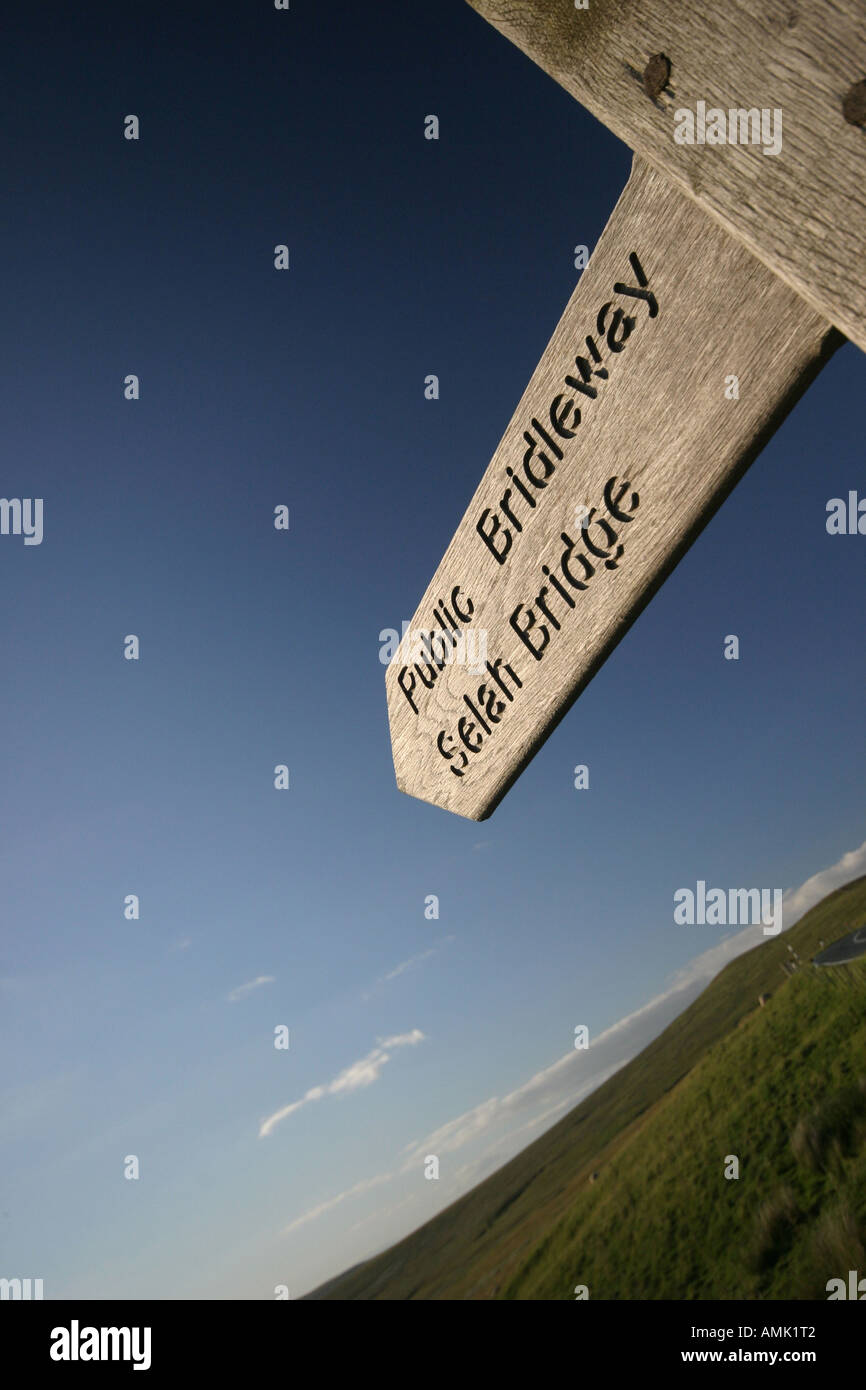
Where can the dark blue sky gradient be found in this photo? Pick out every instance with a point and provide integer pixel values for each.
(408, 257)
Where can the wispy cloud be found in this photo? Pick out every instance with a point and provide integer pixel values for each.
(569, 1074)
(798, 902)
(352, 1078)
(382, 1215)
(400, 970)
(408, 964)
(405, 965)
(332, 1202)
(243, 990)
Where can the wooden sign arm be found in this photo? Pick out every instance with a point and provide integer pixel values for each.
(676, 358)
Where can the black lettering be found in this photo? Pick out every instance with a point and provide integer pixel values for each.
(464, 734)
(487, 537)
(407, 690)
(523, 632)
(470, 606)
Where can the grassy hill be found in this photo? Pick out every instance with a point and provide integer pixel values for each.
(782, 1087)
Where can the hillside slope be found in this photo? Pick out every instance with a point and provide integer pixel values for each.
(662, 1221)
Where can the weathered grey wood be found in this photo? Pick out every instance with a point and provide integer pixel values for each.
(802, 212)
(660, 423)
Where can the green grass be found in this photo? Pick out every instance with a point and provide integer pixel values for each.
(783, 1088)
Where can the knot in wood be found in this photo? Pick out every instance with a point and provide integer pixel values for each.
(656, 74)
(854, 104)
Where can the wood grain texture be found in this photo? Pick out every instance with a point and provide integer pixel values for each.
(655, 418)
(803, 211)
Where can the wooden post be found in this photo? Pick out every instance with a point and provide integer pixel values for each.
(802, 211)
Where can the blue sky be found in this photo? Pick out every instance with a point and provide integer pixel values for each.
(259, 647)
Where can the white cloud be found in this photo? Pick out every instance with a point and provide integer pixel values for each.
(352, 1078)
(382, 1215)
(241, 991)
(798, 902)
(335, 1201)
(568, 1074)
(407, 964)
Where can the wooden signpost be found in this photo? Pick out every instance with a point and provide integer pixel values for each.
(718, 264)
